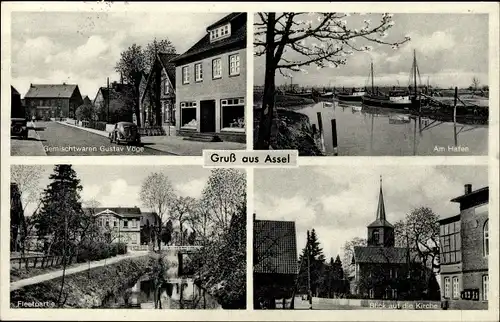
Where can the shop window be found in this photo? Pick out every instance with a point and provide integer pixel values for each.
(233, 115)
(188, 115)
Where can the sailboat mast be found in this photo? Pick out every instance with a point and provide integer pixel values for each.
(371, 70)
(415, 71)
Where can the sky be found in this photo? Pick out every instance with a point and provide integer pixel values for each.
(83, 47)
(451, 49)
(119, 186)
(340, 201)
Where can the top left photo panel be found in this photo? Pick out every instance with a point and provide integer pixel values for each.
(127, 83)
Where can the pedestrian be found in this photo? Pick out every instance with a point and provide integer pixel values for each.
(33, 118)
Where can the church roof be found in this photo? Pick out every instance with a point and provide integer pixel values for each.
(380, 255)
(381, 221)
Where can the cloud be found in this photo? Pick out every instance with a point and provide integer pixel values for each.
(113, 194)
(295, 208)
(192, 188)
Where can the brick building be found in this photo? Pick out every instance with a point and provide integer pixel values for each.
(211, 82)
(53, 101)
(464, 243)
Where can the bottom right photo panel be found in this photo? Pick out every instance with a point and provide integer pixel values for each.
(377, 237)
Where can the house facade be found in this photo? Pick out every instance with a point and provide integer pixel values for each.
(53, 101)
(210, 82)
(120, 224)
(464, 245)
(157, 95)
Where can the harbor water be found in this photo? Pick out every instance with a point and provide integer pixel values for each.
(365, 131)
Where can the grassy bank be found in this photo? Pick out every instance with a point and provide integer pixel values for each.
(86, 289)
(290, 131)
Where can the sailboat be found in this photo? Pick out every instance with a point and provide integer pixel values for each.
(396, 99)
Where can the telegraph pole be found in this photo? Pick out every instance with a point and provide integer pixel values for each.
(107, 99)
(309, 293)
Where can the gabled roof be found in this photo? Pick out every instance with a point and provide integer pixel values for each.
(51, 91)
(224, 20)
(473, 194)
(168, 65)
(380, 255)
(13, 90)
(237, 39)
(121, 211)
(275, 247)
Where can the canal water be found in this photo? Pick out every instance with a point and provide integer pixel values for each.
(367, 131)
(177, 292)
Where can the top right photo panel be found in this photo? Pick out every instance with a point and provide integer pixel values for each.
(371, 84)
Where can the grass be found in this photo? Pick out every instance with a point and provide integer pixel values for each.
(86, 289)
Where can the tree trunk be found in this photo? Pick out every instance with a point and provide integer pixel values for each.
(265, 123)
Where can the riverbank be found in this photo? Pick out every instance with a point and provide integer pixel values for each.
(283, 101)
(290, 131)
(85, 289)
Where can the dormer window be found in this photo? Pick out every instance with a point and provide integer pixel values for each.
(220, 32)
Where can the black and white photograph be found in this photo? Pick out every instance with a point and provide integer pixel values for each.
(127, 237)
(108, 83)
(373, 237)
(371, 84)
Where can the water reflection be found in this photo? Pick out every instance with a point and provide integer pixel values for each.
(378, 131)
(173, 294)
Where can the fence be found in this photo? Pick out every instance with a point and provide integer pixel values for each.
(36, 261)
(152, 131)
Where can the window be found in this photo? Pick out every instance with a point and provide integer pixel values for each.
(134, 224)
(395, 273)
(233, 114)
(107, 222)
(188, 115)
(166, 86)
(450, 243)
(125, 223)
(220, 32)
(185, 75)
(485, 287)
(376, 237)
(114, 223)
(216, 68)
(446, 287)
(133, 239)
(486, 247)
(198, 72)
(394, 293)
(456, 288)
(234, 64)
(371, 293)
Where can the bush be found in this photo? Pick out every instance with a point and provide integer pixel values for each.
(96, 125)
(92, 251)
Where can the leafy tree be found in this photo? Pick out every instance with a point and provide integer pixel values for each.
(222, 196)
(157, 194)
(155, 47)
(166, 236)
(284, 39)
(86, 112)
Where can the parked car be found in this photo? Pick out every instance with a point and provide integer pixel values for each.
(125, 132)
(19, 127)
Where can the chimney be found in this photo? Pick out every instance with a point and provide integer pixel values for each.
(31, 84)
(64, 83)
(468, 188)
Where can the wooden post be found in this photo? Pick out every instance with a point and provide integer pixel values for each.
(314, 129)
(455, 116)
(320, 122)
(334, 137)
(321, 134)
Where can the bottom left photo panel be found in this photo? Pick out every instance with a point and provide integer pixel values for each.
(143, 237)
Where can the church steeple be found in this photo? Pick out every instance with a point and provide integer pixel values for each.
(381, 232)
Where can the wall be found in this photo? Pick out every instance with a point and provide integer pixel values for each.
(210, 89)
(473, 220)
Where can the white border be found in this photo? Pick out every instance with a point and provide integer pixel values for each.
(176, 315)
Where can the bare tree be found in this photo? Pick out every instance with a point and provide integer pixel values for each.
(475, 83)
(283, 39)
(158, 194)
(348, 251)
(419, 231)
(181, 208)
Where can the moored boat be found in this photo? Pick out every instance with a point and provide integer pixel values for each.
(354, 96)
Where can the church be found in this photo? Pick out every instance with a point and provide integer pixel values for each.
(380, 268)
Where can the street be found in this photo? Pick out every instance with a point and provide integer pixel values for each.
(60, 140)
